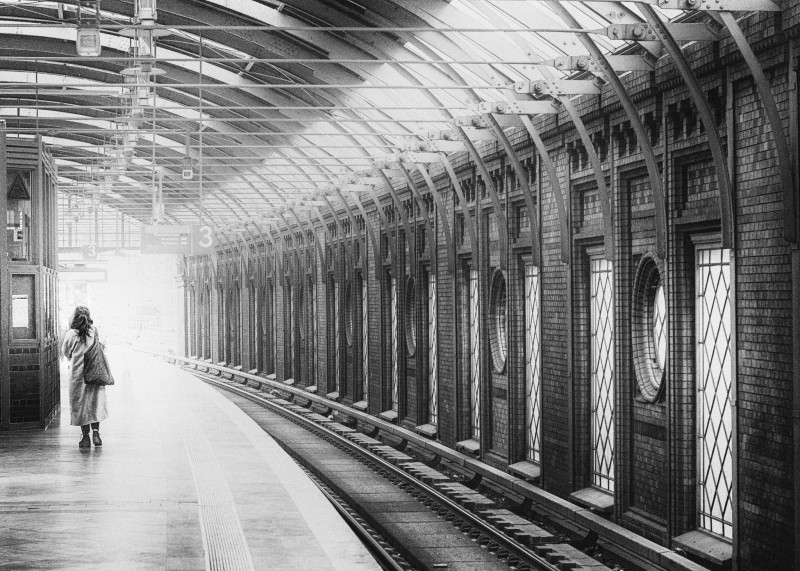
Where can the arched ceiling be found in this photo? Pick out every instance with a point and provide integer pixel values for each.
(271, 100)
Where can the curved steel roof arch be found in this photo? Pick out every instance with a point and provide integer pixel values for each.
(295, 124)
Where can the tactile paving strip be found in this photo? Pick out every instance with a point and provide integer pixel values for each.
(223, 536)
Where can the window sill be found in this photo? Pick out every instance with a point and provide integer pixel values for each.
(288, 382)
(332, 396)
(389, 416)
(360, 405)
(594, 499)
(526, 470)
(705, 546)
(471, 447)
(312, 389)
(427, 430)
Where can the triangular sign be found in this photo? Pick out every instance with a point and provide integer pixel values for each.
(18, 188)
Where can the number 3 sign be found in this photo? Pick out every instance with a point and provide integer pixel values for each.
(202, 239)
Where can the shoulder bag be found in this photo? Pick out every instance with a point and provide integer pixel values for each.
(95, 365)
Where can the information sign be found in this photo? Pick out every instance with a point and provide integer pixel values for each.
(177, 239)
(90, 252)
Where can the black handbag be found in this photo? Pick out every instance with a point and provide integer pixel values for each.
(95, 366)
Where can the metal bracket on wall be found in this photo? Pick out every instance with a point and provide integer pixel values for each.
(403, 217)
(499, 211)
(448, 236)
(421, 204)
(354, 226)
(599, 176)
(648, 152)
(774, 118)
(707, 117)
(462, 204)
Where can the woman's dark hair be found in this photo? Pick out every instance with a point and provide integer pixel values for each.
(81, 322)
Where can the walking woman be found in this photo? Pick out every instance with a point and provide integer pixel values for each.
(87, 402)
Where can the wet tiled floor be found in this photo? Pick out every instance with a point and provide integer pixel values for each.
(184, 480)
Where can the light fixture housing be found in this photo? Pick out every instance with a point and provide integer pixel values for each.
(87, 42)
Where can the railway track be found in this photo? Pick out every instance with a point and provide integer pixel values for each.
(574, 530)
(392, 466)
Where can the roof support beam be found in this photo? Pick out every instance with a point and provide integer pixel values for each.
(790, 229)
(603, 65)
(707, 117)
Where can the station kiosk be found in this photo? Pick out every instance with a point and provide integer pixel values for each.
(29, 369)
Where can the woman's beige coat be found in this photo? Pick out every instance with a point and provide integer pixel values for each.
(87, 403)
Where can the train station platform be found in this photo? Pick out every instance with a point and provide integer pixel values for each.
(184, 480)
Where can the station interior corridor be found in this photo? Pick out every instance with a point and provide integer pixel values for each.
(470, 285)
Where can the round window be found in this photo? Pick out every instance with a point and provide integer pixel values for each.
(411, 317)
(649, 321)
(497, 325)
(660, 327)
(348, 313)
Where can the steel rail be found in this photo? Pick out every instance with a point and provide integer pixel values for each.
(385, 559)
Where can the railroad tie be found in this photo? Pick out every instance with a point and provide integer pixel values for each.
(567, 557)
(424, 473)
(362, 439)
(389, 454)
(465, 496)
(338, 428)
(318, 418)
(519, 528)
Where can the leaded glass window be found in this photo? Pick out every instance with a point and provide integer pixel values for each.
(395, 370)
(533, 364)
(336, 335)
(433, 353)
(715, 421)
(602, 363)
(475, 359)
(364, 340)
(660, 327)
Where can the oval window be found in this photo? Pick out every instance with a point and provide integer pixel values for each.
(497, 327)
(411, 317)
(650, 333)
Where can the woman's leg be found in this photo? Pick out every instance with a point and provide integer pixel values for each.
(96, 434)
(84, 443)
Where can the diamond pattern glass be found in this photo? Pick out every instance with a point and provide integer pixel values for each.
(475, 358)
(313, 286)
(602, 355)
(292, 340)
(660, 327)
(433, 353)
(714, 457)
(364, 340)
(336, 339)
(533, 365)
(395, 370)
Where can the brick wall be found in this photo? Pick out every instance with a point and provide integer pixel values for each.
(655, 442)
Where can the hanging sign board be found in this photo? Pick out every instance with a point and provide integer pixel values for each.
(177, 239)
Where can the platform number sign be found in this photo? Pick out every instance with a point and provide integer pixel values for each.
(203, 239)
(187, 239)
(90, 252)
